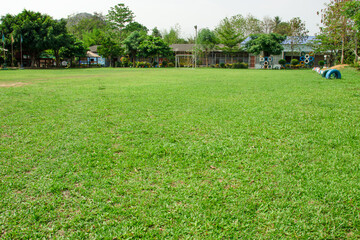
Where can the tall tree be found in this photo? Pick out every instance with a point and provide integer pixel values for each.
(154, 47)
(336, 25)
(267, 25)
(173, 36)
(206, 40)
(132, 44)
(227, 34)
(269, 44)
(33, 27)
(252, 25)
(298, 34)
(156, 33)
(109, 49)
(74, 48)
(352, 11)
(119, 16)
(57, 37)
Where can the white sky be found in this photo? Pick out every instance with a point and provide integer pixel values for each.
(187, 13)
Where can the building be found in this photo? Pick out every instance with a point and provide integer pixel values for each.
(303, 52)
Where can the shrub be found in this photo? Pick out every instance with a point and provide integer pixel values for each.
(282, 62)
(125, 62)
(171, 65)
(294, 62)
(228, 65)
(321, 63)
(154, 64)
(244, 65)
(164, 63)
(222, 65)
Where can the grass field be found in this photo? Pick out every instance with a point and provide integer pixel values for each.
(179, 154)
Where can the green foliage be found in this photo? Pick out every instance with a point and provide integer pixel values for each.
(143, 65)
(119, 16)
(222, 65)
(109, 49)
(270, 44)
(40, 32)
(173, 36)
(74, 48)
(228, 35)
(352, 10)
(156, 33)
(207, 41)
(321, 63)
(132, 44)
(241, 65)
(132, 27)
(282, 62)
(95, 37)
(294, 62)
(84, 23)
(154, 46)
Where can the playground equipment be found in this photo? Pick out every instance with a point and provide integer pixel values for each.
(328, 73)
(266, 62)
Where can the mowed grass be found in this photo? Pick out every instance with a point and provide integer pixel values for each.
(179, 154)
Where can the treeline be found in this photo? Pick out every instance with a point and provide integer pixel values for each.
(339, 34)
(118, 34)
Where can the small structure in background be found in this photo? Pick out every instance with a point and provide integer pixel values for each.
(93, 58)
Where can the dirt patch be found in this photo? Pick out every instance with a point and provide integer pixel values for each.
(339, 67)
(17, 84)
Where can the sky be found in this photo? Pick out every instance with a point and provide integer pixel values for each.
(164, 14)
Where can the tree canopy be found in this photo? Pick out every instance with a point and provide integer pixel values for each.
(270, 44)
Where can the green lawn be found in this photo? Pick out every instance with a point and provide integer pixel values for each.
(179, 154)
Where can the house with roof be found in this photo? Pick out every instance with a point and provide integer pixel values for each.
(93, 58)
(302, 51)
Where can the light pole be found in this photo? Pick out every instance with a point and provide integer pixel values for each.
(195, 44)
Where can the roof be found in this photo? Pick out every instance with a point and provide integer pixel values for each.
(92, 54)
(306, 40)
(94, 48)
(182, 47)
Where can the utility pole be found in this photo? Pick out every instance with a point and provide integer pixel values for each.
(195, 44)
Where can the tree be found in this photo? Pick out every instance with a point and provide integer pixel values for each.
(173, 36)
(119, 16)
(269, 44)
(156, 33)
(95, 37)
(33, 27)
(109, 49)
(252, 25)
(57, 37)
(352, 11)
(206, 40)
(74, 48)
(154, 47)
(297, 35)
(336, 25)
(132, 43)
(132, 27)
(267, 25)
(229, 37)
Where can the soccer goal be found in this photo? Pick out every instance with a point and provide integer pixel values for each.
(185, 60)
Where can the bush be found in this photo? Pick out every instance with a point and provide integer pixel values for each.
(321, 63)
(164, 64)
(171, 65)
(125, 62)
(222, 65)
(154, 64)
(294, 62)
(282, 62)
(228, 65)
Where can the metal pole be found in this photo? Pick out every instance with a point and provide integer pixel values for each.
(195, 44)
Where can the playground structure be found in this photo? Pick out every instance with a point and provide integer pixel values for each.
(328, 73)
(266, 62)
(185, 60)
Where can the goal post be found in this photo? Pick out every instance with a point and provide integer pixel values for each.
(185, 60)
